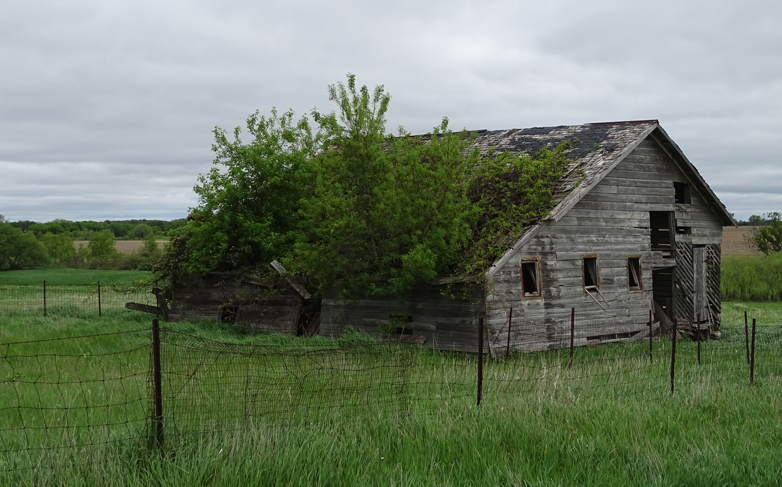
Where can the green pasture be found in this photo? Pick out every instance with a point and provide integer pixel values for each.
(71, 277)
(71, 291)
(248, 409)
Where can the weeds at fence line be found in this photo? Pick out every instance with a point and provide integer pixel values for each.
(80, 395)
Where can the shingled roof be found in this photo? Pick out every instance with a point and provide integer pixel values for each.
(596, 149)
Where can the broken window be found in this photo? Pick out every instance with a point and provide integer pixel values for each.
(591, 277)
(530, 278)
(662, 225)
(634, 273)
(681, 193)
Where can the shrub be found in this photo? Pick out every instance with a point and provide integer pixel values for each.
(19, 250)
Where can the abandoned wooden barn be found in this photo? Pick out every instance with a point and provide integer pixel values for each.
(636, 228)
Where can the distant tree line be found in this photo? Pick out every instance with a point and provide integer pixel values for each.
(759, 220)
(25, 250)
(120, 229)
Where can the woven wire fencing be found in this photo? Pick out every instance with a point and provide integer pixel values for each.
(588, 358)
(74, 399)
(48, 300)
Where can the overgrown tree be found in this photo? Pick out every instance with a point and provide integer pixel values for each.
(386, 212)
(348, 207)
(248, 201)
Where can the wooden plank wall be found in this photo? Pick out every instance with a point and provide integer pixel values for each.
(428, 317)
(611, 222)
(259, 308)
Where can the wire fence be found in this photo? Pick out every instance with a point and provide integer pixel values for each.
(73, 394)
(151, 388)
(48, 300)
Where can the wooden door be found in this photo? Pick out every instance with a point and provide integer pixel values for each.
(699, 291)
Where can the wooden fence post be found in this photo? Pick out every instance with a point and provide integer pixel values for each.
(752, 355)
(673, 355)
(157, 418)
(100, 310)
(44, 297)
(480, 361)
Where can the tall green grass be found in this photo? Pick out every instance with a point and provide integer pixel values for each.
(608, 419)
(752, 278)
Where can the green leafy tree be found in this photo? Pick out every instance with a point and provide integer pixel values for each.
(351, 208)
(385, 213)
(59, 248)
(141, 231)
(100, 251)
(768, 238)
(249, 199)
(19, 250)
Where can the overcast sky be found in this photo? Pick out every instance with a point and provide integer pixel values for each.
(106, 108)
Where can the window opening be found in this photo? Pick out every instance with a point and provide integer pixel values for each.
(662, 225)
(530, 278)
(681, 193)
(634, 273)
(590, 272)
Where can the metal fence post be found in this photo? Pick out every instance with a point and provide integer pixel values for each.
(673, 355)
(698, 335)
(44, 297)
(572, 333)
(746, 335)
(510, 320)
(752, 355)
(650, 335)
(100, 311)
(480, 361)
(157, 386)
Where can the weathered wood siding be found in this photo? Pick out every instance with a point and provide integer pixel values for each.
(427, 317)
(612, 223)
(254, 306)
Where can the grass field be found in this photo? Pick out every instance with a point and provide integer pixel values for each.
(70, 291)
(71, 277)
(607, 420)
(752, 277)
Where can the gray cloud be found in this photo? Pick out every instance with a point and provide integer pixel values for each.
(107, 107)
